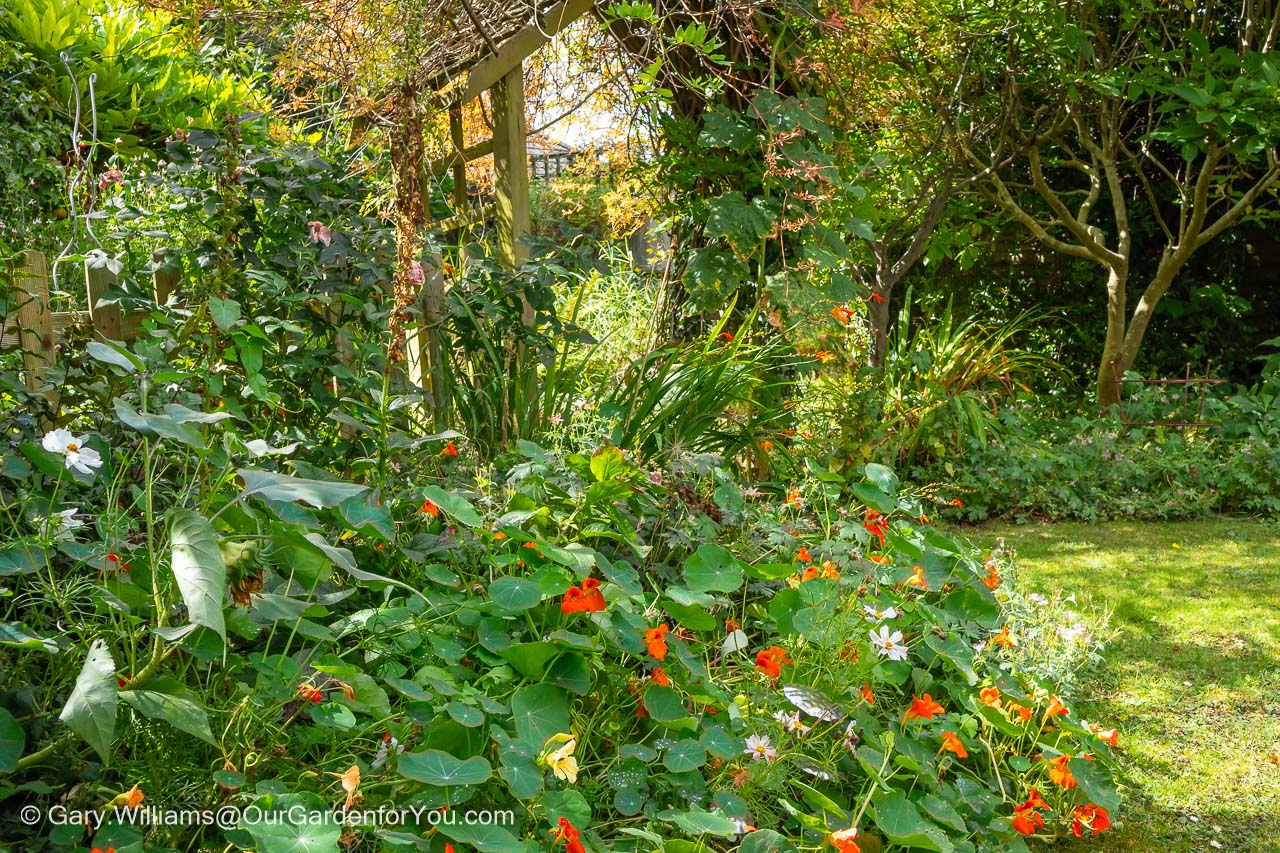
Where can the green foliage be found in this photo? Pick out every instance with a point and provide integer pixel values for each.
(149, 79)
(1047, 465)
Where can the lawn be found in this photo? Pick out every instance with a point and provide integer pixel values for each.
(1192, 677)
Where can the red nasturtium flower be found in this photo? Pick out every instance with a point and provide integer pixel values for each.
(877, 297)
(429, 508)
(843, 840)
(655, 640)
(570, 836)
(842, 313)
(917, 578)
(100, 850)
(957, 502)
(309, 692)
(1094, 817)
(771, 660)
(585, 599)
(876, 524)
(1060, 773)
(660, 677)
(1056, 708)
(951, 743)
(450, 449)
(795, 498)
(867, 695)
(1026, 820)
(803, 555)
(922, 708)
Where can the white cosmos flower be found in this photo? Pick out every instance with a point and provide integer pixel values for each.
(72, 450)
(791, 722)
(889, 645)
(875, 614)
(61, 525)
(760, 749)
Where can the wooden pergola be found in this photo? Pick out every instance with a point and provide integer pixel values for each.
(482, 49)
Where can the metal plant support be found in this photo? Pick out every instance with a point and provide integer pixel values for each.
(1201, 383)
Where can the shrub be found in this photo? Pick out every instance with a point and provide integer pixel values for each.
(629, 654)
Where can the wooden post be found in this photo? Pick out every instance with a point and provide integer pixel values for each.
(425, 345)
(108, 321)
(511, 168)
(35, 320)
(164, 278)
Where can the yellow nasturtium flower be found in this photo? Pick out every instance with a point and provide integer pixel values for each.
(560, 758)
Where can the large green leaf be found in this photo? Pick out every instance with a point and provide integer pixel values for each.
(712, 568)
(13, 741)
(898, 818)
(454, 505)
(436, 767)
(198, 568)
(347, 562)
(158, 425)
(321, 494)
(744, 224)
(1096, 783)
(699, 822)
(485, 838)
(515, 594)
(277, 831)
(91, 708)
(540, 711)
(169, 700)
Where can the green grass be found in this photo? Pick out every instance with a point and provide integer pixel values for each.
(1192, 678)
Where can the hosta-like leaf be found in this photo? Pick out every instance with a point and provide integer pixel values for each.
(91, 708)
(812, 702)
(320, 494)
(169, 700)
(198, 568)
(13, 741)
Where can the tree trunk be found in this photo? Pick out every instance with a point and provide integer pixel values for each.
(878, 316)
(1113, 364)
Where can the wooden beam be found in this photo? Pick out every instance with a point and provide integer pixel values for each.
(35, 320)
(510, 166)
(469, 217)
(99, 276)
(451, 161)
(486, 73)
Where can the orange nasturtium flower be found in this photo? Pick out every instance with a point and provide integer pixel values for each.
(655, 640)
(824, 356)
(992, 580)
(585, 599)
(309, 692)
(660, 677)
(879, 558)
(917, 578)
(829, 570)
(1094, 817)
(795, 499)
(1026, 820)
(1060, 773)
(429, 508)
(771, 660)
(450, 449)
(922, 708)
(875, 524)
(1056, 708)
(842, 313)
(803, 555)
(843, 840)
(1110, 736)
(951, 743)
(1004, 638)
(990, 696)
(350, 784)
(1023, 711)
(867, 695)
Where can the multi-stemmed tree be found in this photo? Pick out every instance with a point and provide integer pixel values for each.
(1112, 111)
